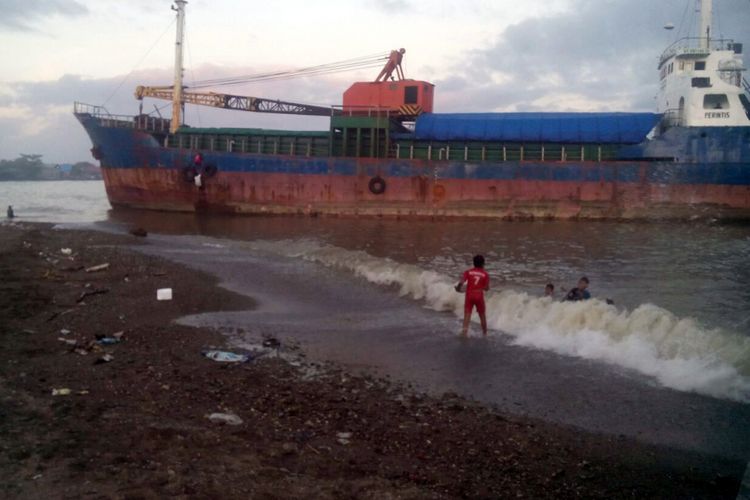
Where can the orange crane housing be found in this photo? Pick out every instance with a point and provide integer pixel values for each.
(394, 95)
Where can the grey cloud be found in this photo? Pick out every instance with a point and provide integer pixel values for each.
(606, 50)
(21, 15)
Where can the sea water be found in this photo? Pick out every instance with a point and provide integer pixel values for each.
(55, 201)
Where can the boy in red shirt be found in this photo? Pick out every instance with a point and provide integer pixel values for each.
(477, 282)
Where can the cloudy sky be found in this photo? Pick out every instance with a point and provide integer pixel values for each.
(483, 55)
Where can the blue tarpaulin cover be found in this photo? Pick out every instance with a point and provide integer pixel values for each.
(601, 128)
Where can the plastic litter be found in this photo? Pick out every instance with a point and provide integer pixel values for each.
(100, 267)
(64, 391)
(66, 251)
(71, 342)
(104, 359)
(226, 357)
(344, 437)
(102, 340)
(64, 331)
(164, 294)
(225, 418)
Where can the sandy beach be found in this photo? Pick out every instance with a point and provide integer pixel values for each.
(137, 426)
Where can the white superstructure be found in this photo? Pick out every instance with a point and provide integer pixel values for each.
(701, 80)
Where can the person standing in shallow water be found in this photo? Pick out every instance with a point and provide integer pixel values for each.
(549, 290)
(477, 282)
(10, 212)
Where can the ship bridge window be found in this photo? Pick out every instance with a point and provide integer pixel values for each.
(701, 83)
(700, 65)
(715, 101)
(411, 95)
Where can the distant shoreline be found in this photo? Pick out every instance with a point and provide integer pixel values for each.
(49, 180)
(30, 167)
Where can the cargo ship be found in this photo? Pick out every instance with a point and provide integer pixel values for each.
(387, 153)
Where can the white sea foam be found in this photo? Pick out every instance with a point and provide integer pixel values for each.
(678, 352)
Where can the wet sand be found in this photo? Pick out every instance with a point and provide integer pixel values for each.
(136, 427)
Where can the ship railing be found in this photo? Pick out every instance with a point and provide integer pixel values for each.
(102, 115)
(107, 119)
(151, 123)
(81, 108)
(746, 85)
(368, 111)
(694, 46)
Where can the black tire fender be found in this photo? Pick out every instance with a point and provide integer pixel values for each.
(377, 185)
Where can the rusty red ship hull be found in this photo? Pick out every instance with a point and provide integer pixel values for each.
(422, 196)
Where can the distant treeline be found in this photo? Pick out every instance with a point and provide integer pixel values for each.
(32, 168)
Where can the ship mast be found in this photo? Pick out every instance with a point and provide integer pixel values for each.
(706, 18)
(179, 7)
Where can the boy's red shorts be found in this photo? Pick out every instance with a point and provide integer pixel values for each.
(474, 300)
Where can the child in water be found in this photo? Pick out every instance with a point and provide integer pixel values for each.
(580, 292)
(477, 282)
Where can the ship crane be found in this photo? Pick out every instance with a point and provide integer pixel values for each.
(236, 102)
(393, 64)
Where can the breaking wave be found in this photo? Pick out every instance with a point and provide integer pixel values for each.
(679, 353)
